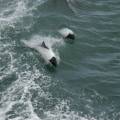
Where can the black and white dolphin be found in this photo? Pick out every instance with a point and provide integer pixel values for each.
(46, 53)
(67, 33)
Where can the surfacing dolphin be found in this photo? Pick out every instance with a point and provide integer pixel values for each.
(46, 53)
(67, 33)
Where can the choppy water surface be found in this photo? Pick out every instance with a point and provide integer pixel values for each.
(86, 84)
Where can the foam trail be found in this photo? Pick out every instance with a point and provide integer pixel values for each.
(15, 10)
(6, 53)
(18, 94)
(19, 10)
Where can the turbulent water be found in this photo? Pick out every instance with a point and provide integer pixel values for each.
(85, 85)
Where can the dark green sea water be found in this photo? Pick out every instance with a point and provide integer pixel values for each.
(85, 85)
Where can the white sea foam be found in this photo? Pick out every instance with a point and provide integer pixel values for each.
(62, 111)
(18, 94)
(16, 10)
(6, 53)
(16, 104)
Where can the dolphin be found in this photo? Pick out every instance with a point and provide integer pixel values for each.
(46, 53)
(67, 33)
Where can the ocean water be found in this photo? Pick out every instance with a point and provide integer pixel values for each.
(85, 85)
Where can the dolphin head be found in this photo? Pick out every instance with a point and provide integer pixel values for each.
(53, 61)
(70, 36)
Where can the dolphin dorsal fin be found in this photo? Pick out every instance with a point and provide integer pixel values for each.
(44, 45)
